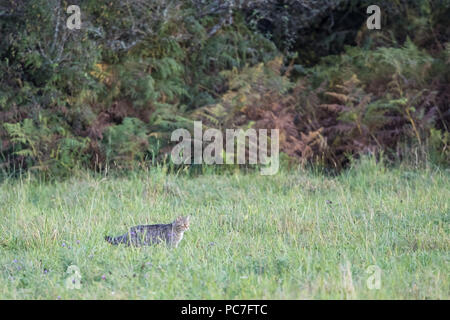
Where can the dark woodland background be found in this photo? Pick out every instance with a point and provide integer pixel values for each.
(109, 95)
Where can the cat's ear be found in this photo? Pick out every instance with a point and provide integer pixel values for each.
(187, 218)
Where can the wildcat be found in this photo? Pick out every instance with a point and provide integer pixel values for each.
(171, 234)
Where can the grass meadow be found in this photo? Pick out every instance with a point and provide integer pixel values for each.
(294, 235)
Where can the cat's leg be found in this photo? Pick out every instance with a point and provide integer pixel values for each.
(172, 240)
(117, 240)
(137, 237)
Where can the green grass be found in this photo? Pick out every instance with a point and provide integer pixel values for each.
(251, 236)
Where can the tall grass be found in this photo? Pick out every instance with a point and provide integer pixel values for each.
(294, 235)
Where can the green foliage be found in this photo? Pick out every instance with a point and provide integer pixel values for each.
(439, 147)
(126, 142)
(68, 94)
(46, 146)
(407, 63)
(158, 58)
(393, 97)
(44, 61)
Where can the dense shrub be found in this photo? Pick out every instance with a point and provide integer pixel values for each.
(111, 93)
(150, 61)
(358, 102)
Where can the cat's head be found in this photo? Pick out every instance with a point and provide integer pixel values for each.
(182, 223)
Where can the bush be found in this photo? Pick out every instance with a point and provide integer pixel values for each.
(111, 93)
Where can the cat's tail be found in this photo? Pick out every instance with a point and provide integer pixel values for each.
(117, 240)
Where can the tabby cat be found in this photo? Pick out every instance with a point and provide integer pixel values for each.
(171, 234)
